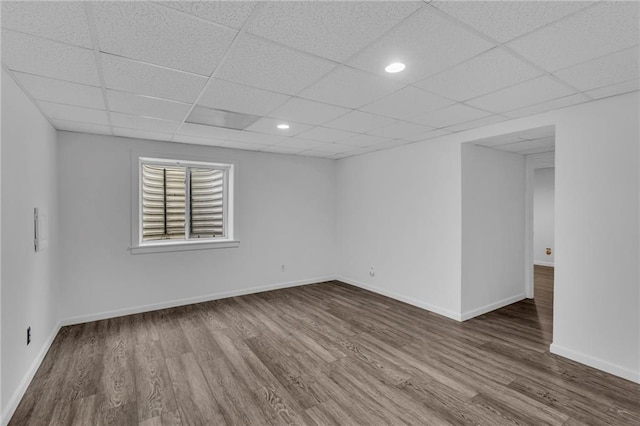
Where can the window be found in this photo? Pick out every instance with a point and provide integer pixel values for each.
(183, 205)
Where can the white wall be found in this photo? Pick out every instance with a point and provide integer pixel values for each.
(543, 213)
(29, 287)
(399, 211)
(284, 215)
(597, 291)
(493, 229)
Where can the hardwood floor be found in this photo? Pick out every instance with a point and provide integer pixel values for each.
(321, 354)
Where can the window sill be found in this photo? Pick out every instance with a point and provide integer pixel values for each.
(183, 246)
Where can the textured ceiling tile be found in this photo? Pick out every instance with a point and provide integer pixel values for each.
(537, 150)
(426, 42)
(505, 20)
(143, 123)
(477, 123)
(141, 134)
(522, 146)
(145, 79)
(400, 130)
(243, 145)
(562, 102)
(334, 30)
(229, 96)
(255, 138)
(604, 71)
(22, 52)
(314, 153)
(499, 140)
(277, 149)
(324, 134)
(228, 134)
(63, 92)
(616, 89)
(428, 135)
(197, 140)
(334, 148)
(269, 125)
(454, 114)
(74, 113)
(147, 106)
(524, 94)
(306, 111)
(161, 36)
(259, 63)
(75, 126)
(297, 143)
(350, 88)
(485, 73)
(63, 21)
(230, 13)
(407, 103)
(360, 122)
(599, 30)
(364, 140)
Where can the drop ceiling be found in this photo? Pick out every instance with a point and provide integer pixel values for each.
(532, 141)
(139, 69)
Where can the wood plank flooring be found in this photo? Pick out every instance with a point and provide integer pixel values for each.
(321, 354)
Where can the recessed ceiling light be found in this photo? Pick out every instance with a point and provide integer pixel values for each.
(283, 126)
(395, 67)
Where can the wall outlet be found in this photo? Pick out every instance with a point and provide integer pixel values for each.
(548, 251)
(28, 335)
(282, 268)
(372, 272)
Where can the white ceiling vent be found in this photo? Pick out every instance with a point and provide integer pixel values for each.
(220, 118)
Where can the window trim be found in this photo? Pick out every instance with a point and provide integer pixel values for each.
(138, 246)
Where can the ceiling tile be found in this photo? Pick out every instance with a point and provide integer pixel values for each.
(605, 71)
(74, 113)
(313, 153)
(143, 123)
(499, 140)
(141, 134)
(259, 63)
(401, 130)
(229, 13)
(605, 28)
(449, 116)
(350, 88)
(228, 134)
(306, 111)
(297, 143)
(22, 52)
(562, 102)
(324, 134)
(538, 150)
(531, 92)
(75, 126)
(406, 103)
(145, 79)
(277, 149)
(63, 92)
(255, 138)
(474, 124)
(147, 106)
(521, 146)
(269, 125)
(334, 148)
(428, 135)
(505, 20)
(360, 122)
(60, 21)
(159, 35)
(197, 140)
(426, 42)
(243, 145)
(485, 73)
(364, 140)
(229, 96)
(334, 30)
(616, 89)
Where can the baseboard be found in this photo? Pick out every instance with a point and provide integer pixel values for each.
(188, 301)
(543, 263)
(15, 399)
(596, 363)
(492, 306)
(420, 304)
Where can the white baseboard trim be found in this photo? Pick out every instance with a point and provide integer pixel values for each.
(596, 363)
(543, 263)
(492, 306)
(188, 301)
(15, 399)
(420, 304)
